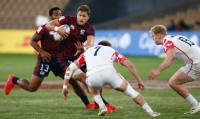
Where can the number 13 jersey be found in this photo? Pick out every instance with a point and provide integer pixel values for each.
(186, 51)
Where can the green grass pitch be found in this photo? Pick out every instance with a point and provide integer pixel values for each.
(23, 65)
(49, 104)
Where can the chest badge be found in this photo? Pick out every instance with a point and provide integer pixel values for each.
(72, 26)
(82, 31)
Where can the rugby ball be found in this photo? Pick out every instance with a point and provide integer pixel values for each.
(57, 36)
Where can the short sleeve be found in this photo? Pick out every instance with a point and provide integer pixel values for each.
(168, 45)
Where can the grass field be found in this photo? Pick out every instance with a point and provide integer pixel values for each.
(49, 104)
(23, 65)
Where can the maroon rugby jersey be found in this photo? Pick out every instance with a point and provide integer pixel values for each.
(48, 43)
(67, 48)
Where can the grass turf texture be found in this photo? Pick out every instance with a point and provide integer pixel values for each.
(49, 104)
(23, 65)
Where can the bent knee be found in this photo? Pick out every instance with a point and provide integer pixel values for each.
(172, 83)
(33, 89)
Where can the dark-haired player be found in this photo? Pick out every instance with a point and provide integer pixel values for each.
(46, 61)
(80, 32)
(101, 72)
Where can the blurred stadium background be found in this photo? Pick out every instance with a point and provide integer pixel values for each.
(20, 17)
(124, 23)
(106, 14)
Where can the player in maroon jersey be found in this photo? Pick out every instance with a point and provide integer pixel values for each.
(47, 61)
(71, 47)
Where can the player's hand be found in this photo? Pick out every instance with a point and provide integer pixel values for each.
(153, 74)
(46, 57)
(62, 32)
(79, 47)
(65, 93)
(141, 85)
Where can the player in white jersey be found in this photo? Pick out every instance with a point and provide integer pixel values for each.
(100, 71)
(180, 48)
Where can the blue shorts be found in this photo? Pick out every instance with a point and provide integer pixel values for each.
(42, 69)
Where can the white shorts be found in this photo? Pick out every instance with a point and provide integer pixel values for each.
(107, 76)
(192, 71)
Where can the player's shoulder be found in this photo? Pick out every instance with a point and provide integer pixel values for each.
(89, 26)
(66, 18)
(41, 30)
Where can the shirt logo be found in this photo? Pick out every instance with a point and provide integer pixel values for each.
(72, 26)
(82, 31)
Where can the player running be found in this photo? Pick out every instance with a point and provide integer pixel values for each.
(46, 61)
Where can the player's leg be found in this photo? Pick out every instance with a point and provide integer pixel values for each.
(23, 83)
(119, 83)
(98, 100)
(80, 76)
(31, 86)
(176, 82)
(78, 89)
(110, 107)
(137, 97)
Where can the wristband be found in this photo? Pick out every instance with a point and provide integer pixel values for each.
(56, 28)
(64, 86)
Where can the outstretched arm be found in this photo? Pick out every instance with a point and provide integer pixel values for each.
(81, 48)
(166, 63)
(131, 67)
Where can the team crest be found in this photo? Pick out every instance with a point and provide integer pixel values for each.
(82, 31)
(72, 26)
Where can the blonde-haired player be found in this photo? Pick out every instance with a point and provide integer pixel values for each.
(180, 48)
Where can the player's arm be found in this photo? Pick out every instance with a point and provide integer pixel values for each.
(90, 42)
(165, 64)
(168, 60)
(46, 57)
(34, 42)
(81, 48)
(53, 25)
(131, 67)
(73, 66)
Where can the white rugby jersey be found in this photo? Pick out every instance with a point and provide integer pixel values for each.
(100, 57)
(185, 50)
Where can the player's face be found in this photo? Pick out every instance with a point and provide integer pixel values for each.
(82, 17)
(56, 14)
(156, 38)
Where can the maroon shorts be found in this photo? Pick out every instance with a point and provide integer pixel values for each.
(42, 69)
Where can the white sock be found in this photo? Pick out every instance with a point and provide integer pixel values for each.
(147, 108)
(192, 100)
(99, 101)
